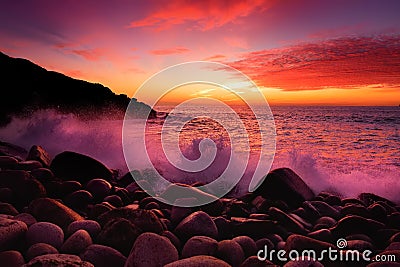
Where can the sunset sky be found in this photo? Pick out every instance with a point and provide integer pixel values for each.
(297, 52)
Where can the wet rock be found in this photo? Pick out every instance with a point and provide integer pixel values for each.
(79, 199)
(74, 166)
(143, 219)
(8, 162)
(77, 243)
(24, 187)
(248, 245)
(114, 200)
(175, 191)
(45, 232)
(56, 260)
(251, 227)
(369, 199)
(151, 250)
(325, 209)
(119, 234)
(12, 233)
(37, 153)
(354, 224)
(286, 221)
(199, 261)
(39, 249)
(6, 208)
(50, 210)
(284, 184)
(29, 165)
(300, 243)
(230, 252)
(200, 245)
(11, 258)
(99, 188)
(92, 227)
(103, 256)
(26, 218)
(197, 223)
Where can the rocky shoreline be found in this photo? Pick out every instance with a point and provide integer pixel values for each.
(74, 211)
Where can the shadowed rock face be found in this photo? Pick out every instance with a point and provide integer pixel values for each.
(31, 87)
(284, 184)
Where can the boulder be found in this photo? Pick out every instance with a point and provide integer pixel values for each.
(29, 165)
(230, 252)
(27, 218)
(286, 221)
(45, 232)
(11, 258)
(103, 256)
(56, 260)
(197, 223)
(50, 210)
(8, 162)
(248, 245)
(251, 227)
(300, 243)
(306, 262)
(354, 224)
(253, 261)
(39, 249)
(119, 234)
(99, 188)
(200, 245)
(12, 233)
(173, 238)
(39, 154)
(92, 227)
(151, 250)
(77, 243)
(7, 208)
(199, 261)
(143, 219)
(284, 184)
(74, 166)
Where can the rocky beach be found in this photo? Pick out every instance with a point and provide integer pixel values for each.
(72, 210)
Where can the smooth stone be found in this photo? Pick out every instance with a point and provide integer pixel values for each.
(284, 184)
(39, 249)
(286, 221)
(262, 242)
(199, 261)
(50, 210)
(27, 218)
(359, 237)
(8, 162)
(393, 246)
(173, 238)
(178, 213)
(99, 209)
(92, 227)
(99, 188)
(223, 227)
(7, 208)
(103, 256)
(251, 227)
(175, 191)
(199, 245)
(77, 243)
(39, 154)
(274, 238)
(29, 165)
(306, 262)
(197, 223)
(354, 224)
(74, 166)
(300, 243)
(354, 209)
(124, 195)
(57, 260)
(119, 234)
(253, 261)
(144, 219)
(44, 175)
(328, 221)
(325, 209)
(151, 249)
(68, 187)
(378, 212)
(322, 235)
(12, 233)
(7, 149)
(11, 258)
(360, 245)
(248, 245)
(45, 232)
(25, 188)
(114, 200)
(230, 252)
(333, 200)
(79, 199)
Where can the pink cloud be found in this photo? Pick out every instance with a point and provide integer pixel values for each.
(206, 15)
(343, 63)
(89, 54)
(169, 51)
(215, 57)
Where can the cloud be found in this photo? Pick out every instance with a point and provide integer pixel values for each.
(206, 14)
(236, 42)
(89, 54)
(169, 51)
(346, 62)
(215, 57)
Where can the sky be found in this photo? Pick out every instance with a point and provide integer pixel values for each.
(305, 52)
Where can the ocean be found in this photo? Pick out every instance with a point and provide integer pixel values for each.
(344, 149)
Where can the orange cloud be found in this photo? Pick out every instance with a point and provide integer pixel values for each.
(215, 57)
(206, 15)
(169, 51)
(89, 54)
(348, 62)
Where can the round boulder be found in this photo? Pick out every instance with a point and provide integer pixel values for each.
(45, 232)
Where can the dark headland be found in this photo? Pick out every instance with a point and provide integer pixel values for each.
(27, 87)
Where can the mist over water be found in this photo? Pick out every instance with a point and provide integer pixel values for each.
(347, 150)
